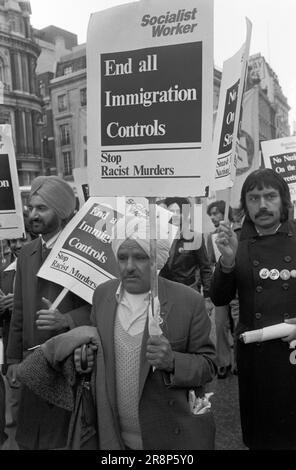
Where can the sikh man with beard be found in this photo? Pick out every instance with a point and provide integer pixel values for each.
(148, 377)
(51, 205)
(261, 265)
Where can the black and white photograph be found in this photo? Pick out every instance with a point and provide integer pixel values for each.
(147, 230)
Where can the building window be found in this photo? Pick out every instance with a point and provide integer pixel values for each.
(85, 157)
(68, 69)
(42, 89)
(62, 103)
(67, 163)
(12, 24)
(83, 99)
(65, 134)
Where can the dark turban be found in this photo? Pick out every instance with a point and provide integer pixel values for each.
(56, 193)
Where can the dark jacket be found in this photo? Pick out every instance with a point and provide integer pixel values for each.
(7, 279)
(189, 267)
(267, 379)
(165, 418)
(40, 425)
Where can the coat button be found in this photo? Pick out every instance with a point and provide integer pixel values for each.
(256, 263)
(285, 286)
(177, 431)
(288, 259)
(259, 289)
(171, 402)
(258, 315)
(286, 316)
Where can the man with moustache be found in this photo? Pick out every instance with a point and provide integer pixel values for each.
(262, 266)
(51, 205)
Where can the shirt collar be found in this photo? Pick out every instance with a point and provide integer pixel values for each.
(50, 243)
(120, 293)
(12, 266)
(248, 229)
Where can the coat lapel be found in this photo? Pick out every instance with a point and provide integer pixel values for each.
(107, 335)
(35, 256)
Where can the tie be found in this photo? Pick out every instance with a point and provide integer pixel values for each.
(45, 252)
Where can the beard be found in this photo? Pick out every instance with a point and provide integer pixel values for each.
(42, 227)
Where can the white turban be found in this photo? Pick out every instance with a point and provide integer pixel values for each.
(138, 229)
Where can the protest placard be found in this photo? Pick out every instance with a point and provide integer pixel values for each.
(11, 213)
(82, 257)
(150, 107)
(81, 184)
(280, 155)
(229, 115)
(248, 154)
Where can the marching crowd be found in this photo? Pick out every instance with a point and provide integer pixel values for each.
(105, 377)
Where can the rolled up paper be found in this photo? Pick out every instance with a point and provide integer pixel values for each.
(269, 332)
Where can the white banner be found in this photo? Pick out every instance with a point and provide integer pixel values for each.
(11, 212)
(280, 155)
(82, 258)
(229, 115)
(150, 98)
(248, 157)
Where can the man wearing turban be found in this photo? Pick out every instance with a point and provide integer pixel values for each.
(148, 376)
(51, 205)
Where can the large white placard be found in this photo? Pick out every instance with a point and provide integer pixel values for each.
(11, 213)
(248, 154)
(150, 98)
(82, 258)
(229, 116)
(280, 155)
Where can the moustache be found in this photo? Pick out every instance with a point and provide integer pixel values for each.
(260, 213)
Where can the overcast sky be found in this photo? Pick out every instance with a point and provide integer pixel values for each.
(273, 32)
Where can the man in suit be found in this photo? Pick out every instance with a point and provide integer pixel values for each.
(149, 375)
(52, 203)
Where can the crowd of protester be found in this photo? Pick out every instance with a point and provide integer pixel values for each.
(103, 377)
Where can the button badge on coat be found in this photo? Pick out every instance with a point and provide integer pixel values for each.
(264, 273)
(274, 274)
(285, 274)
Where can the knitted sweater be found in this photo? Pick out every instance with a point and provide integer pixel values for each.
(127, 360)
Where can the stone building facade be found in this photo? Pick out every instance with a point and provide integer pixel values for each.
(69, 101)
(22, 105)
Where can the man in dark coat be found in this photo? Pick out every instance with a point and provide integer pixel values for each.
(226, 316)
(188, 262)
(262, 266)
(52, 202)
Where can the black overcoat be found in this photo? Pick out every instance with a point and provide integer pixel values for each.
(267, 378)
